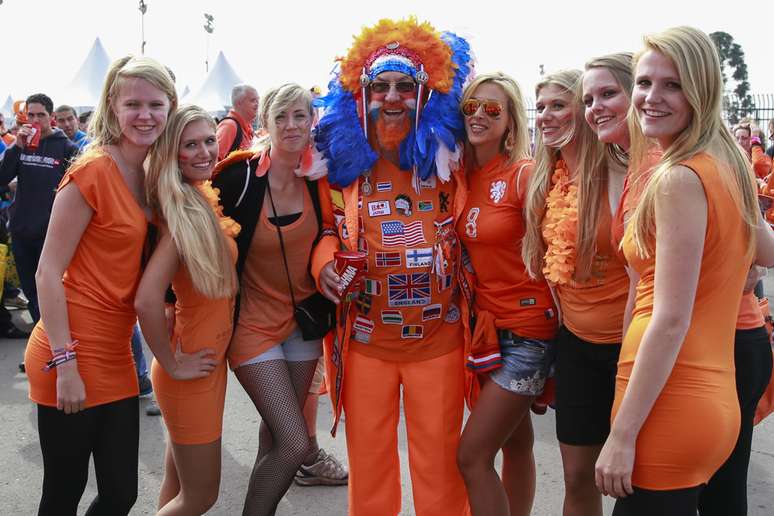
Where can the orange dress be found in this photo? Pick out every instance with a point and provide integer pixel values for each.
(99, 284)
(193, 409)
(694, 424)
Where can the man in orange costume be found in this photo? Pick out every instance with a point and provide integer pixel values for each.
(391, 148)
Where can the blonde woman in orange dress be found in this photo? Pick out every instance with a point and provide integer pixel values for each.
(195, 253)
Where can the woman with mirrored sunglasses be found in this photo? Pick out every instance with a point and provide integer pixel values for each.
(512, 348)
(571, 201)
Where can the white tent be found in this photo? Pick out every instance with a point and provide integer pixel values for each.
(7, 110)
(215, 93)
(84, 90)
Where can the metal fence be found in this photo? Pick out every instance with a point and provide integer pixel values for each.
(761, 110)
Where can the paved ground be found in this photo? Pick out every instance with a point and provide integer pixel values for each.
(21, 464)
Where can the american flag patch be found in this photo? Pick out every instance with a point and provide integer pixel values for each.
(395, 233)
(409, 289)
(412, 331)
(392, 317)
(388, 259)
(372, 286)
(431, 312)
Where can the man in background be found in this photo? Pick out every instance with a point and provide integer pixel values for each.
(235, 130)
(67, 120)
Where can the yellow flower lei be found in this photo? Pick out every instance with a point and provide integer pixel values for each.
(560, 227)
(229, 226)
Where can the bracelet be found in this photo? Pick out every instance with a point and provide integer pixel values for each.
(61, 355)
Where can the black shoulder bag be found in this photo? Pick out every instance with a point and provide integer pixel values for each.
(315, 315)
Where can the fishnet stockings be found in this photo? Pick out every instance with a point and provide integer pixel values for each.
(278, 390)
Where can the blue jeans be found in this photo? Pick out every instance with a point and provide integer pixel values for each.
(26, 253)
(139, 357)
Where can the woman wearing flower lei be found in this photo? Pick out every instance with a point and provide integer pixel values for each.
(572, 197)
(196, 254)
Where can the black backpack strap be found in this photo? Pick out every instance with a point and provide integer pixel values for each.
(238, 138)
(313, 193)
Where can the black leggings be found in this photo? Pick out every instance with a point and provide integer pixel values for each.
(110, 432)
(644, 502)
(726, 492)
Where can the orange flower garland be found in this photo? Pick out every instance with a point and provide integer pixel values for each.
(560, 227)
(229, 226)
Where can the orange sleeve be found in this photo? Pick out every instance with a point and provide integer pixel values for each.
(521, 179)
(329, 241)
(226, 132)
(761, 162)
(87, 177)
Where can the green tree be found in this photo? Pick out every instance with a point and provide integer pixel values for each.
(740, 103)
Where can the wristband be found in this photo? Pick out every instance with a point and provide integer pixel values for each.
(61, 355)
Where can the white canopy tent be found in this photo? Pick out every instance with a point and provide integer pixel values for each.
(215, 93)
(84, 90)
(7, 110)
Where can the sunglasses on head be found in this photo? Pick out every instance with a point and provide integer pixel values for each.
(400, 86)
(491, 107)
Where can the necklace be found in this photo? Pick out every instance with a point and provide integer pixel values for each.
(560, 227)
(229, 226)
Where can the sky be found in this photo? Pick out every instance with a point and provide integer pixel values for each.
(272, 42)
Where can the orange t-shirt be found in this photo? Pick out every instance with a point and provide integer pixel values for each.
(593, 309)
(750, 315)
(694, 424)
(266, 311)
(227, 131)
(99, 283)
(491, 228)
(405, 311)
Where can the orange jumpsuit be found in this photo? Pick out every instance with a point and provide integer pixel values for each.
(404, 331)
(99, 284)
(694, 424)
(193, 409)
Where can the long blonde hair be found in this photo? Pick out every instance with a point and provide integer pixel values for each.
(620, 67)
(698, 67)
(515, 142)
(193, 224)
(591, 174)
(275, 101)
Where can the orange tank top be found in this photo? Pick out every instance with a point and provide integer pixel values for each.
(593, 309)
(266, 311)
(99, 283)
(491, 228)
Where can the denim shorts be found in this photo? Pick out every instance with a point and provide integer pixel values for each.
(293, 349)
(527, 363)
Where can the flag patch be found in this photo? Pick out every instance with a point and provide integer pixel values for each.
(420, 257)
(425, 206)
(379, 208)
(392, 317)
(445, 282)
(388, 259)
(409, 289)
(363, 302)
(361, 336)
(431, 312)
(427, 183)
(363, 324)
(395, 233)
(372, 286)
(384, 186)
(412, 331)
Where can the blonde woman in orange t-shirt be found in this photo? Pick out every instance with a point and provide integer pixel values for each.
(516, 320)
(570, 207)
(87, 277)
(691, 239)
(195, 253)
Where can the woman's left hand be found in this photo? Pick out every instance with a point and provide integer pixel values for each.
(613, 471)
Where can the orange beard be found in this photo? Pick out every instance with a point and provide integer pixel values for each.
(390, 135)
